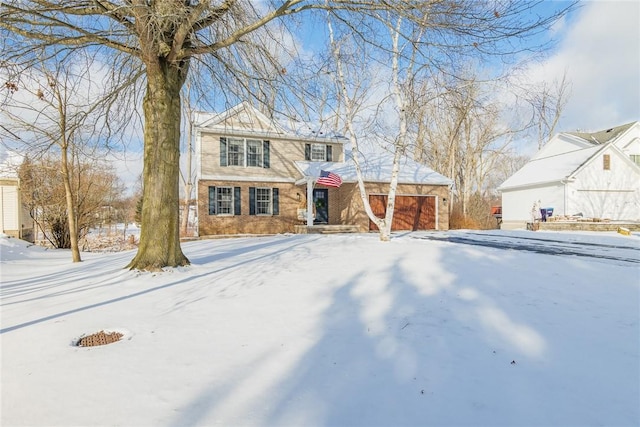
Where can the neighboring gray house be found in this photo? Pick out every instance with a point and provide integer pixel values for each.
(596, 175)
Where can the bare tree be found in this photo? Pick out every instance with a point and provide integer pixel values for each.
(422, 55)
(547, 100)
(50, 106)
(399, 136)
(187, 176)
(236, 36)
(95, 187)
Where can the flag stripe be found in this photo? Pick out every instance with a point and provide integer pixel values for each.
(329, 179)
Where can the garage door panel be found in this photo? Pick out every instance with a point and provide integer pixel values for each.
(410, 213)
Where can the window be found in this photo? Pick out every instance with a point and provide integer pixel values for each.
(235, 153)
(318, 152)
(254, 153)
(264, 201)
(635, 158)
(224, 201)
(244, 152)
(606, 162)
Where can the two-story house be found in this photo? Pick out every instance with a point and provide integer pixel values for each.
(256, 177)
(591, 175)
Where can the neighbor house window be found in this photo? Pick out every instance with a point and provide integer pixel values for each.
(264, 201)
(244, 152)
(224, 201)
(606, 162)
(318, 152)
(635, 158)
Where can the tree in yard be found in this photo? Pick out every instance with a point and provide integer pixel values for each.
(95, 187)
(547, 101)
(48, 105)
(235, 38)
(438, 41)
(465, 139)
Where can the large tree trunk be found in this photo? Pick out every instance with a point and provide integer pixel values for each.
(160, 230)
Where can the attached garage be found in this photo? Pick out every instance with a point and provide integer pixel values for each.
(411, 212)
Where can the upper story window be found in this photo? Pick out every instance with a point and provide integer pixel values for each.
(635, 158)
(606, 162)
(255, 156)
(235, 152)
(244, 152)
(318, 152)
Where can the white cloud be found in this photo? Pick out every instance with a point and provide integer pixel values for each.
(600, 51)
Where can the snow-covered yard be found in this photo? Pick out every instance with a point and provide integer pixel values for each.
(341, 330)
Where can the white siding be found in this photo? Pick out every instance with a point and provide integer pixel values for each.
(608, 194)
(517, 205)
(9, 206)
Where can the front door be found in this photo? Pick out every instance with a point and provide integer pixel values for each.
(321, 202)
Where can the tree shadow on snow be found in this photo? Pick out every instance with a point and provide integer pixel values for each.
(407, 345)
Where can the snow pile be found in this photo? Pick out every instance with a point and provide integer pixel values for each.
(15, 249)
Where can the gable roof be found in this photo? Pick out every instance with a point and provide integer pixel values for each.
(376, 168)
(246, 120)
(242, 117)
(556, 167)
(549, 169)
(603, 136)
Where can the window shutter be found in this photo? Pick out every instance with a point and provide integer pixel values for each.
(307, 151)
(276, 201)
(212, 200)
(237, 201)
(223, 151)
(266, 155)
(252, 200)
(329, 153)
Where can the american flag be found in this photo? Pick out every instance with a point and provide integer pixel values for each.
(329, 179)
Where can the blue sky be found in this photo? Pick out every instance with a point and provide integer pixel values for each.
(599, 47)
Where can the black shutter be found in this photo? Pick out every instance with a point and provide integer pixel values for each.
(276, 201)
(266, 155)
(329, 153)
(223, 151)
(237, 201)
(252, 200)
(212, 200)
(307, 151)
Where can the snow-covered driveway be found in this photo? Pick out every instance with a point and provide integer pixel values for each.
(604, 246)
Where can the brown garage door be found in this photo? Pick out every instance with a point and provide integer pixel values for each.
(411, 212)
